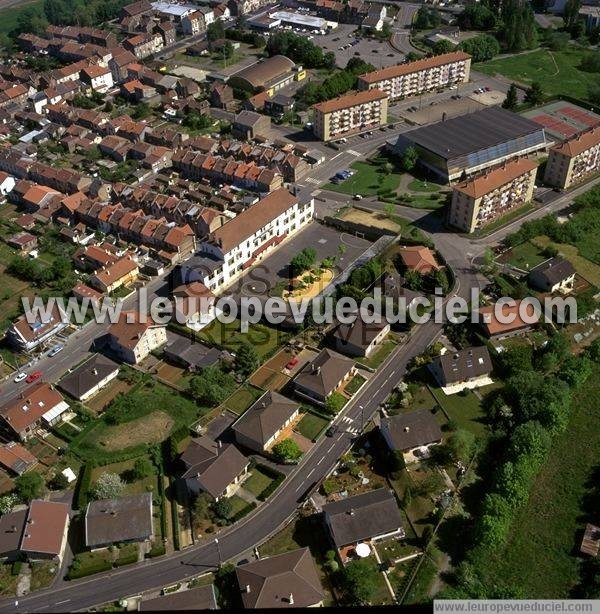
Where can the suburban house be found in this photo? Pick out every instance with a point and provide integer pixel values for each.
(23, 241)
(191, 354)
(393, 287)
(11, 531)
(318, 379)
(515, 323)
(284, 580)
(45, 531)
(418, 258)
(370, 516)
(249, 125)
(554, 275)
(84, 381)
(120, 273)
(360, 338)
(213, 468)
(412, 434)
(39, 405)
(16, 458)
(133, 340)
(194, 305)
(464, 369)
(26, 336)
(112, 521)
(198, 598)
(259, 427)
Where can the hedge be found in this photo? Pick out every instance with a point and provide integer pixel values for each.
(127, 560)
(158, 549)
(242, 512)
(175, 517)
(82, 489)
(277, 477)
(76, 572)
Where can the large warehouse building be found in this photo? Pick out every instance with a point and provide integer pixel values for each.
(464, 145)
(269, 75)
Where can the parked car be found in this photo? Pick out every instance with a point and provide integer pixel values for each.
(20, 377)
(357, 197)
(292, 363)
(330, 432)
(32, 377)
(55, 350)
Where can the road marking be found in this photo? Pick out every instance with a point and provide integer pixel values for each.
(311, 472)
(299, 487)
(322, 459)
(64, 601)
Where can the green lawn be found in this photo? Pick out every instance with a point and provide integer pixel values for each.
(417, 185)
(524, 256)
(311, 426)
(242, 398)
(557, 71)
(586, 268)
(384, 350)
(539, 556)
(9, 18)
(465, 410)
(354, 384)
(367, 181)
(237, 505)
(264, 338)
(257, 482)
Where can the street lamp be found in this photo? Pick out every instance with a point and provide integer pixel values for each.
(218, 550)
(362, 417)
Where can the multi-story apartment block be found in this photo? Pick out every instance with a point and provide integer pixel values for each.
(483, 199)
(144, 45)
(244, 240)
(350, 114)
(429, 74)
(574, 160)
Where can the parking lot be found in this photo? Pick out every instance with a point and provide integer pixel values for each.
(378, 53)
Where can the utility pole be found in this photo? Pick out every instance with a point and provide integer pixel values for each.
(218, 550)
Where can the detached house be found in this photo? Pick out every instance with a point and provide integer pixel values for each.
(412, 434)
(120, 273)
(554, 275)
(133, 340)
(266, 419)
(27, 335)
(511, 320)
(464, 369)
(360, 338)
(87, 379)
(320, 378)
(37, 406)
(213, 468)
(100, 78)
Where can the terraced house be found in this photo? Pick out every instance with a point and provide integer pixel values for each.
(574, 159)
(350, 114)
(483, 199)
(426, 75)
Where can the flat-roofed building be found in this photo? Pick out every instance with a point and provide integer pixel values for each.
(457, 148)
(574, 160)
(487, 197)
(426, 75)
(350, 114)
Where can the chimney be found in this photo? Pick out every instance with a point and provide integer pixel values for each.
(406, 429)
(351, 512)
(247, 588)
(219, 444)
(94, 371)
(318, 370)
(291, 599)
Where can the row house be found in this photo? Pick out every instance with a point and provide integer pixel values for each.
(193, 23)
(95, 36)
(75, 52)
(247, 238)
(86, 118)
(425, 75)
(115, 147)
(486, 198)
(99, 78)
(135, 90)
(127, 128)
(167, 31)
(63, 179)
(226, 170)
(53, 95)
(119, 62)
(166, 137)
(132, 14)
(153, 157)
(144, 45)
(172, 242)
(574, 160)
(14, 95)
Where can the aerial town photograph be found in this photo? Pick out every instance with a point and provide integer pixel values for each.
(299, 305)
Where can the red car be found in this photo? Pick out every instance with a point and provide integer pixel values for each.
(32, 377)
(292, 363)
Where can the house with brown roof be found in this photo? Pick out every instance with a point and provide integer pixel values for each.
(263, 423)
(127, 519)
(198, 598)
(30, 330)
(418, 258)
(16, 458)
(221, 97)
(115, 147)
(23, 241)
(134, 336)
(281, 581)
(412, 434)
(37, 406)
(369, 517)
(462, 369)
(323, 376)
(144, 45)
(503, 320)
(194, 305)
(214, 468)
(120, 273)
(361, 337)
(45, 531)
(248, 125)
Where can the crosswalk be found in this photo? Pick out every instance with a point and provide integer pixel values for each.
(313, 180)
(347, 422)
(356, 154)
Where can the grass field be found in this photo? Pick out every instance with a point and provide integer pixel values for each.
(257, 482)
(583, 266)
(242, 398)
(464, 410)
(524, 256)
(539, 555)
(367, 181)
(311, 426)
(382, 352)
(557, 71)
(9, 17)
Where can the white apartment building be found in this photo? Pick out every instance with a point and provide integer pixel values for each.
(350, 114)
(574, 160)
(487, 197)
(99, 77)
(134, 341)
(426, 75)
(246, 239)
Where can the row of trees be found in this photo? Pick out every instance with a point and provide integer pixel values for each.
(300, 50)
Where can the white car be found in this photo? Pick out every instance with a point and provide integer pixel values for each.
(20, 377)
(55, 350)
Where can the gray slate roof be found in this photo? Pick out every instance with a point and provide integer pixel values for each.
(554, 270)
(265, 417)
(87, 375)
(109, 521)
(408, 431)
(464, 364)
(200, 598)
(322, 375)
(362, 517)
